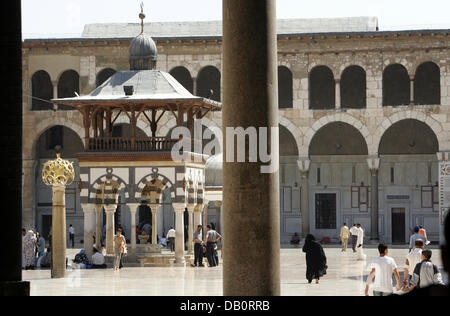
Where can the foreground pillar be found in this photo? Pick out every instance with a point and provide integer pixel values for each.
(374, 165)
(154, 209)
(11, 283)
(58, 173)
(179, 236)
(133, 211)
(110, 210)
(303, 165)
(218, 206)
(89, 228)
(98, 226)
(250, 197)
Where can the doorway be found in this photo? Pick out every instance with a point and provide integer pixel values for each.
(398, 225)
(46, 225)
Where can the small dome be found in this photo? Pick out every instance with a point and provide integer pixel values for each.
(213, 171)
(143, 53)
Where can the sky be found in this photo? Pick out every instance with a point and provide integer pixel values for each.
(68, 17)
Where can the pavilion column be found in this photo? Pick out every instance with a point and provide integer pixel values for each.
(338, 93)
(58, 232)
(191, 208)
(218, 206)
(98, 226)
(179, 229)
(411, 89)
(374, 165)
(205, 216)
(250, 196)
(303, 165)
(133, 211)
(110, 210)
(444, 192)
(89, 228)
(198, 211)
(154, 208)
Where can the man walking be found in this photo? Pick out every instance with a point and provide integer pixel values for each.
(171, 239)
(414, 237)
(211, 239)
(354, 235)
(72, 235)
(345, 234)
(412, 259)
(382, 268)
(198, 249)
(360, 242)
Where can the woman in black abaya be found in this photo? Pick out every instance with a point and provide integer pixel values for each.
(316, 261)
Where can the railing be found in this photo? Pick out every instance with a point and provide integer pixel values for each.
(129, 144)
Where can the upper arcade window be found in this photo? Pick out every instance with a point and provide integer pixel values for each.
(104, 75)
(427, 84)
(208, 83)
(41, 91)
(285, 93)
(396, 86)
(322, 89)
(353, 88)
(183, 76)
(68, 85)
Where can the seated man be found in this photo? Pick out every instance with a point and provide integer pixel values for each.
(98, 260)
(295, 239)
(81, 258)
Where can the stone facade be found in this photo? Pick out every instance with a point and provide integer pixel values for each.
(300, 53)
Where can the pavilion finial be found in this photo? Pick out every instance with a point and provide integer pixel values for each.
(142, 17)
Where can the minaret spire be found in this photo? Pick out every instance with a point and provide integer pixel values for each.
(142, 17)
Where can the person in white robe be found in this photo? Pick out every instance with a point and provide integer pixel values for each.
(360, 243)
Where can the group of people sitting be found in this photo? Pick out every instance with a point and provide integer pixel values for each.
(97, 260)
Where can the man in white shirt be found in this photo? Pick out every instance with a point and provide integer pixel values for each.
(97, 260)
(412, 259)
(382, 268)
(360, 242)
(171, 239)
(354, 232)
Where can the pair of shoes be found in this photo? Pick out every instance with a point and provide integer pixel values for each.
(193, 265)
(201, 265)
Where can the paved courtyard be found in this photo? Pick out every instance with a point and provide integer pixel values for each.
(346, 276)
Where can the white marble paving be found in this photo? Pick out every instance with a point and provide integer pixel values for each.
(346, 276)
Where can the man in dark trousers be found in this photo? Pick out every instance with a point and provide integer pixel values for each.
(198, 249)
(354, 236)
(211, 239)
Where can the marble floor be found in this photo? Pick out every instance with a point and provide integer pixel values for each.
(346, 277)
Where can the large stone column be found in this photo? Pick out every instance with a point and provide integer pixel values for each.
(110, 210)
(374, 165)
(198, 211)
(303, 165)
(179, 229)
(250, 197)
(89, 228)
(191, 208)
(154, 209)
(133, 211)
(58, 232)
(98, 226)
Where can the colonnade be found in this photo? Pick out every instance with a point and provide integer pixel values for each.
(92, 226)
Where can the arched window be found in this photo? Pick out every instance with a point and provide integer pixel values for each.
(183, 76)
(285, 94)
(104, 75)
(427, 84)
(41, 91)
(68, 84)
(396, 86)
(353, 88)
(209, 81)
(322, 89)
